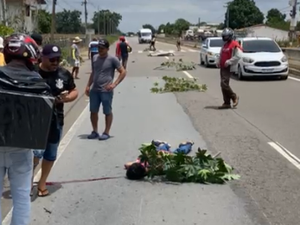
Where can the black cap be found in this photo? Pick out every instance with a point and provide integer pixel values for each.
(37, 38)
(51, 51)
(103, 43)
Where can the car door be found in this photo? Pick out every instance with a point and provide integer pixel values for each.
(205, 48)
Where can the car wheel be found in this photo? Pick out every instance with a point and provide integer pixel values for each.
(206, 62)
(240, 73)
(284, 77)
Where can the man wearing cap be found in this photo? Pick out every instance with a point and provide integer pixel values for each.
(64, 89)
(76, 57)
(103, 84)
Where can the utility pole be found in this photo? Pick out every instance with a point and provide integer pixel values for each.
(85, 15)
(53, 20)
(98, 13)
(293, 24)
(104, 24)
(227, 14)
(199, 21)
(3, 3)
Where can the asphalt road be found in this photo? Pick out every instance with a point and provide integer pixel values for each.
(266, 194)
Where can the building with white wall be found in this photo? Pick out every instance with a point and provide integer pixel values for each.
(21, 14)
(262, 30)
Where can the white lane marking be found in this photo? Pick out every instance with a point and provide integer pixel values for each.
(62, 147)
(140, 51)
(293, 78)
(187, 74)
(183, 50)
(167, 57)
(286, 154)
(192, 50)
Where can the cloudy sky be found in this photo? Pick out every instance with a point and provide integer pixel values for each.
(138, 12)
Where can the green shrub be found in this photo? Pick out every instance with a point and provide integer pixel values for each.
(4, 30)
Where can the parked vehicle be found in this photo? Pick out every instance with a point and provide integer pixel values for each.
(145, 36)
(261, 57)
(210, 51)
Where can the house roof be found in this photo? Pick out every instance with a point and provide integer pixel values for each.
(257, 25)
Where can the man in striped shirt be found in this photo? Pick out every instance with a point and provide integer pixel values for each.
(93, 49)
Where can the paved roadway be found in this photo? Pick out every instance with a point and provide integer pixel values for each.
(247, 137)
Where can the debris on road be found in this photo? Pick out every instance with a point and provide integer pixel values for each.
(175, 84)
(161, 54)
(179, 167)
(180, 65)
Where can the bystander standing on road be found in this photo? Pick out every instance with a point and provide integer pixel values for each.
(75, 52)
(229, 56)
(93, 49)
(118, 51)
(21, 53)
(103, 85)
(64, 89)
(152, 43)
(124, 52)
(2, 60)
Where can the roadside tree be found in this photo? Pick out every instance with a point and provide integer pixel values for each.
(243, 13)
(106, 21)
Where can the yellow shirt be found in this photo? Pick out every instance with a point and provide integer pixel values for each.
(2, 60)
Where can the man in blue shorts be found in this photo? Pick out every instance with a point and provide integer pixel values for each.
(103, 84)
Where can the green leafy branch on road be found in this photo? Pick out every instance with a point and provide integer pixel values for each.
(175, 84)
(180, 65)
(201, 168)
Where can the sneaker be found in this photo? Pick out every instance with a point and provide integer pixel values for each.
(225, 106)
(93, 135)
(236, 101)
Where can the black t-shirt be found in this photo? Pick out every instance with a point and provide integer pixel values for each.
(124, 49)
(59, 81)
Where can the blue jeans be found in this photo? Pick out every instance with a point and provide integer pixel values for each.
(18, 165)
(97, 98)
(50, 153)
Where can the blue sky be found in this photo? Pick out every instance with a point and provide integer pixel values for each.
(138, 12)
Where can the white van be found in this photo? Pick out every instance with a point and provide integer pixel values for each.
(145, 36)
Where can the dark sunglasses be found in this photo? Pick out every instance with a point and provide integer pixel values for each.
(57, 59)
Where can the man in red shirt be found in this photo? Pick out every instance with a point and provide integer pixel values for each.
(230, 55)
(118, 50)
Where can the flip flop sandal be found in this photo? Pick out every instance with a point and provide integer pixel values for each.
(104, 137)
(31, 192)
(43, 193)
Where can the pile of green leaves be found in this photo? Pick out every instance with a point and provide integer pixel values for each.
(175, 84)
(201, 168)
(180, 65)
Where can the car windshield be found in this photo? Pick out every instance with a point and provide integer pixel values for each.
(216, 43)
(260, 46)
(146, 34)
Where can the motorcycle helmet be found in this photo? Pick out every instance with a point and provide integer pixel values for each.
(21, 46)
(227, 34)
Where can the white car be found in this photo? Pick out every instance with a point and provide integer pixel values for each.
(210, 51)
(261, 57)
